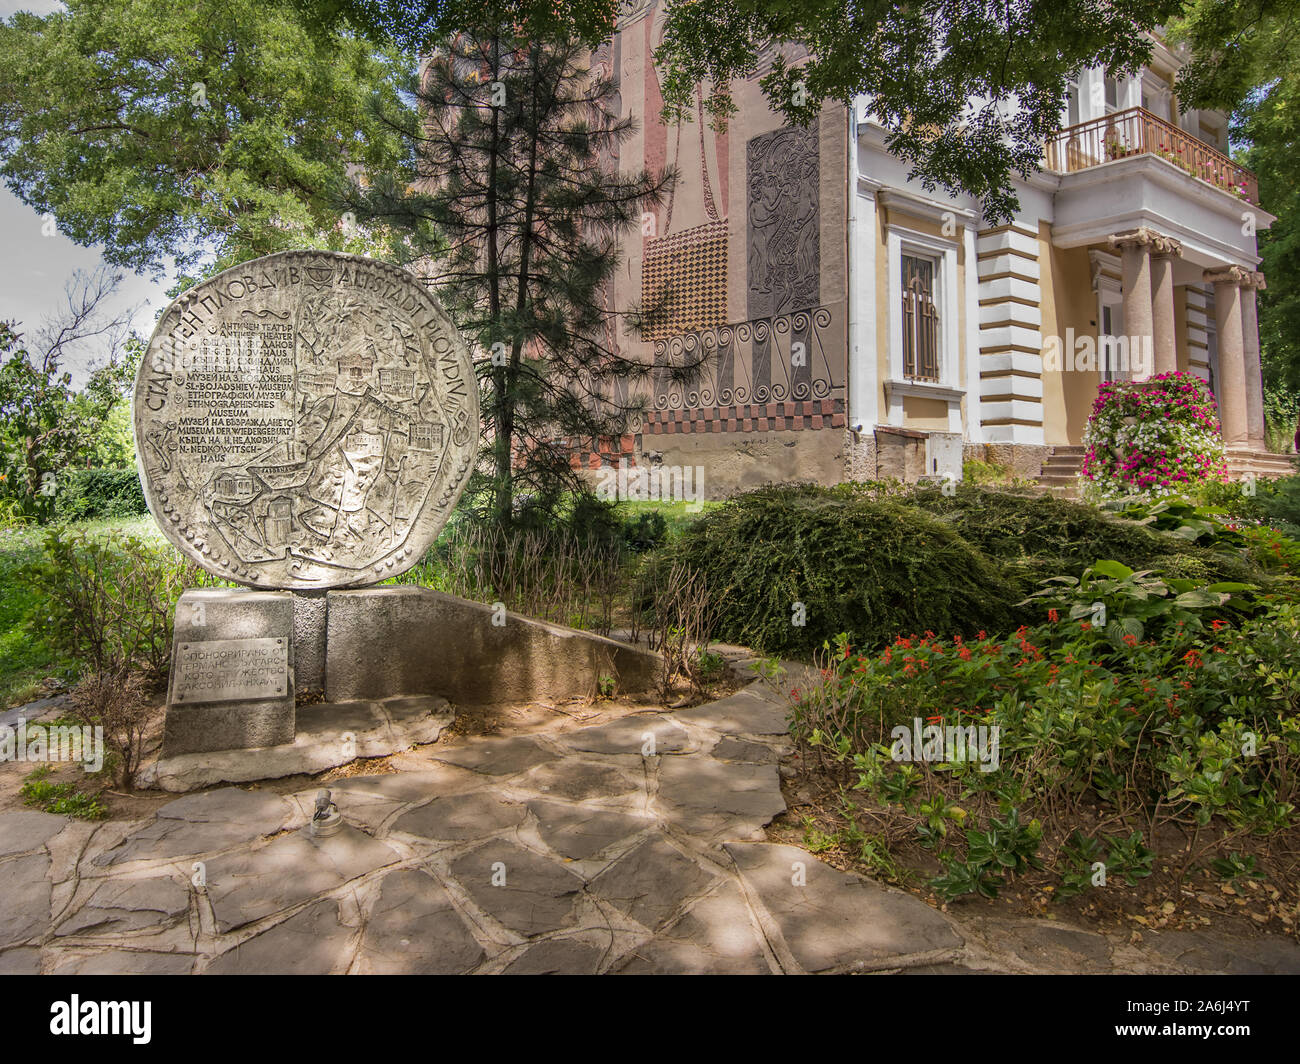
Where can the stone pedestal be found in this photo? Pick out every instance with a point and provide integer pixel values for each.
(309, 613)
(387, 641)
(232, 684)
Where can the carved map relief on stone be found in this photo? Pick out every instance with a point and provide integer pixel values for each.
(305, 420)
(784, 240)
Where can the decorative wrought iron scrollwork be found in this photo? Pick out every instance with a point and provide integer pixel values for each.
(747, 362)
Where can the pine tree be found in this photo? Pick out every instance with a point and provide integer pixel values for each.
(511, 206)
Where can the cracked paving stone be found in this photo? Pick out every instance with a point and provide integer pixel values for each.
(129, 905)
(202, 823)
(577, 780)
(398, 786)
(24, 961)
(414, 929)
(557, 956)
(1273, 955)
(719, 797)
(1051, 946)
(837, 920)
(287, 871)
(313, 942)
(729, 749)
(628, 735)
(716, 937)
(24, 898)
(651, 883)
(459, 817)
(752, 711)
(26, 830)
(127, 962)
(537, 896)
(497, 757)
(578, 832)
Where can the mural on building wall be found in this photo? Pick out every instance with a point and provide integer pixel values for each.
(783, 221)
(773, 341)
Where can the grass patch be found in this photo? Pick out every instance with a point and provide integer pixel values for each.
(61, 799)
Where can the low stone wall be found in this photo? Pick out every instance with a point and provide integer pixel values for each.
(387, 641)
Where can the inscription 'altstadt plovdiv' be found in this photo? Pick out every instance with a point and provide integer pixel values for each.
(305, 420)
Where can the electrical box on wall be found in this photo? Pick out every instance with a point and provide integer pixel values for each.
(943, 455)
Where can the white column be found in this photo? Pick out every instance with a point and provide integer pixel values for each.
(974, 425)
(864, 383)
(1254, 371)
(894, 266)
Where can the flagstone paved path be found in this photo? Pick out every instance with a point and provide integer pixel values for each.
(635, 846)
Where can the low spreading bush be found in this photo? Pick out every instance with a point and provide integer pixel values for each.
(1038, 535)
(791, 566)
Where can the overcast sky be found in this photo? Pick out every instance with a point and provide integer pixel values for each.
(34, 268)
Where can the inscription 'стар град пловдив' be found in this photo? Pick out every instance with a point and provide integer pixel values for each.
(305, 420)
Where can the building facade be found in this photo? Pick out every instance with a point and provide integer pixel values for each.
(840, 322)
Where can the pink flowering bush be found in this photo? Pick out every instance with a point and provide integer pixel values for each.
(1155, 438)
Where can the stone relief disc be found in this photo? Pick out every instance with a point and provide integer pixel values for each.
(305, 420)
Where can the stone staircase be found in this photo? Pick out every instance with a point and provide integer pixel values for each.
(1261, 463)
(1060, 473)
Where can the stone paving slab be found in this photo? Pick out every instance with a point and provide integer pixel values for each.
(26, 830)
(414, 929)
(523, 891)
(569, 852)
(577, 832)
(648, 733)
(717, 937)
(834, 921)
(119, 905)
(463, 816)
(202, 823)
(290, 869)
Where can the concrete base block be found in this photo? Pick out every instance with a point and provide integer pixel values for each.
(309, 608)
(329, 735)
(388, 641)
(213, 614)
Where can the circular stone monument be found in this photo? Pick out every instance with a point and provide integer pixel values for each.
(305, 420)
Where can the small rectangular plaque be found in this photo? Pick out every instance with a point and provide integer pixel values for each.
(231, 670)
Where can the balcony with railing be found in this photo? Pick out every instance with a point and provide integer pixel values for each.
(1137, 131)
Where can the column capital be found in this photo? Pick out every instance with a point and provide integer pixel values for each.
(1145, 237)
(1233, 275)
(1133, 238)
(1254, 279)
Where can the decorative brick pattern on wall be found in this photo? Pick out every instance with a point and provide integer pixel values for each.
(765, 417)
(684, 281)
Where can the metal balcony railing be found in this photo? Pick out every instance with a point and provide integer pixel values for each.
(1137, 131)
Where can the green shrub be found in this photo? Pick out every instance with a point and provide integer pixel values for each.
(1279, 503)
(645, 531)
(88, 494)
(870, 566)
(1038, 536)
(109, 598)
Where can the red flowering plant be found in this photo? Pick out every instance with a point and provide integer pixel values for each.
(1187, 720)
(1157, 437)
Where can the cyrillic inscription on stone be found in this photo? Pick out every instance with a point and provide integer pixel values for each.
(231, 670)
(305, 420)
